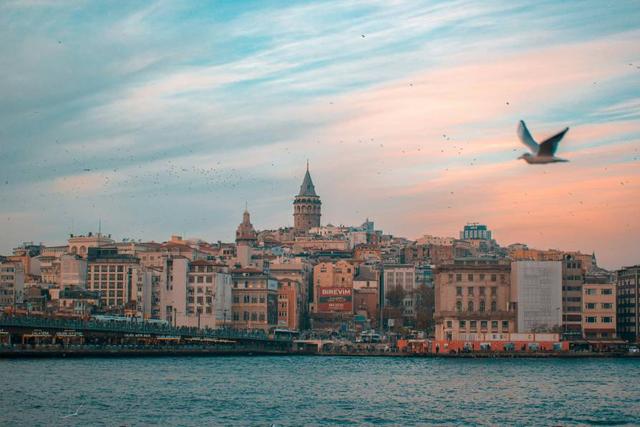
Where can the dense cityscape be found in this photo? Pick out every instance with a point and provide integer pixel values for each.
(318, 284)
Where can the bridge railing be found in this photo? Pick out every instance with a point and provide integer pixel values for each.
(133, 328)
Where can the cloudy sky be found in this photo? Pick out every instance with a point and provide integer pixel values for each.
(165, 117)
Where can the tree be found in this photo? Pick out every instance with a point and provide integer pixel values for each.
(395, 297)
(425, 305)
(395, 305)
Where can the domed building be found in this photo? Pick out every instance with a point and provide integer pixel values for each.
(246, 238)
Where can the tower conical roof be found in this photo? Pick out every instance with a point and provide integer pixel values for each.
(307, 188)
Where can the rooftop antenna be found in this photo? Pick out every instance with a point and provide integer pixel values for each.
(307, 165)
(99, 226)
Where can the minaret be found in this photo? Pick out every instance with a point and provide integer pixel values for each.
(306, 206)
(246, 239)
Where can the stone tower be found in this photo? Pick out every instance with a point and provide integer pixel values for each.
(306, 206)
(246, 239)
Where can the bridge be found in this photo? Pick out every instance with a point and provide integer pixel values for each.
(21, 329)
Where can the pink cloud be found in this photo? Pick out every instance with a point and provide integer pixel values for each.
(419, 181)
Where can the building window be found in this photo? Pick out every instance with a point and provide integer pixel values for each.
(458, 306)
(470, 290)
(494, 306)
(482, 306)
(463, 324)
(606, 319)
(494, 325)
(236, 299)
(449, 324)
(494, 291)
(607, 305)
(494, 278)
(470, 306)
(590, 305)
(483, 324)
(605, 292)
(481, 276)
(470, 277)
(590, 291)
(505, 325)
(245, 316)
(458, 277)
(591, 319)
(481, 290)
(254, 316)
(458, 291)
(473, 324)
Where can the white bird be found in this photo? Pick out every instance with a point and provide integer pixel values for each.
(542, 153)
(75, 414)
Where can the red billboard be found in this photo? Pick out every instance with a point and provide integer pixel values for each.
(335, 300)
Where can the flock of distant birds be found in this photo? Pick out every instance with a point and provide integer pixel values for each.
(161, 182)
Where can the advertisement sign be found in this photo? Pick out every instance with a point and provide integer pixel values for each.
(335, 300)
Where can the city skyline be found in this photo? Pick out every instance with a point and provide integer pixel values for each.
(157, 122)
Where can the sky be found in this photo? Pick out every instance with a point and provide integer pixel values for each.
(160, 118)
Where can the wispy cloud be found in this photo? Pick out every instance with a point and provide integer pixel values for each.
(407, 111)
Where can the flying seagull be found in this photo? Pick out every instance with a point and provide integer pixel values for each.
(542, 153)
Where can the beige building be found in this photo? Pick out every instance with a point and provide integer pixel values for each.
(11, 283)
(115, 276)
(328, 276)
(366, 293)
(79, 245)
(599, 310)
(428, 239)
(254, 300)
(49, 260)
(297, 270)
(473, 296)
(305, 244)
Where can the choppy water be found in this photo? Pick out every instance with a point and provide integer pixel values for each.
(318, 391)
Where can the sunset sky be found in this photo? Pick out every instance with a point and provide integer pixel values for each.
(165, 117)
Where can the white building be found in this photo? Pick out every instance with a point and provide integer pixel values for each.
(402, 276)
(536, 290)
(73, 271)
(195, 294)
